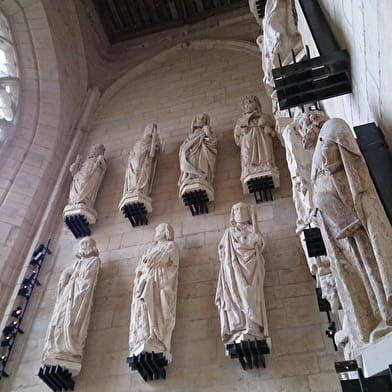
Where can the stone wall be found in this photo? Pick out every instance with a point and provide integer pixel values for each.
(180, 85)
(53, 86)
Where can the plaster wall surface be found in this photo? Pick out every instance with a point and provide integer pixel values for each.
(187, 82)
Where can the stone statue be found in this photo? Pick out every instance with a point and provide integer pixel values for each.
(142, 163)
(280, 36)
(87, 178)
(153, 311)
(239, 293)
(68, 326)
(356, 232)
(197, 157)
(299, 138)
(253, 134)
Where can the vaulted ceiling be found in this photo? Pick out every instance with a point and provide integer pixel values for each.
(127, 19)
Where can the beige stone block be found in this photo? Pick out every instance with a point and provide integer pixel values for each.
(196, 308)
(295, 289)
(324, 382)
(302, 311)
(202, 223)
(294, 275)
(197, 352)
(289, 384)
(198, 273)
(297, 340)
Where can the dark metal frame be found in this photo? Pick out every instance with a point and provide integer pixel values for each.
(314, 242)
(314, 79)
(150, 366)
(379, 383)
(250, 353)
(261, 188)
(78, 225)
(10, 332)
(197, 201)
(136, 213)
(57, 378)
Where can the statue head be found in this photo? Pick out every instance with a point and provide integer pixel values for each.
(250, 104)
(241, 213)
(149, 130)
(96, 150)
(200, 120)
(87, 247)
(308, 126)
(164, 232)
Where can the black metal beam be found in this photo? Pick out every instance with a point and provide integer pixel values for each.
(322, 34)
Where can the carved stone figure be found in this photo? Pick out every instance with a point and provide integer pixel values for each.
(142, 163)
(280, 35)
(197, 157)
(299, 139)
(68, 326)
(253, 134)
(153, 311)
(239, 293)
(87, 178)
(356, 232)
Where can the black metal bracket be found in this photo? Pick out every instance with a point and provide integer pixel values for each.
(260, 6)
(11, 330)
(261, 187)
(250, 353)
(136, 213)
(197, 201)
(378, 158)
(346, 366)
(314, 79)
(78, 225)
(314, 242)
(150, 366)
(57, 378)
(381, 383)
(323, 304)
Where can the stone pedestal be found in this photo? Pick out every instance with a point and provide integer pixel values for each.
(80, 209)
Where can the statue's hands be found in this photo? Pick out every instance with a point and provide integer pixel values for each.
(221, 252)
(99, 163)
(207, 130)
(300, 185)
(75, 167)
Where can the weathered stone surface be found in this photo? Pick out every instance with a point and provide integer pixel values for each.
(68, 326)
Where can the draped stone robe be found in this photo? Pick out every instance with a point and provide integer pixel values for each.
(197, 157)
(253, 134)
(68, 326)
(153, 310)
(239, 294)
(141, 167)
(355, 229)
(86, 181)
